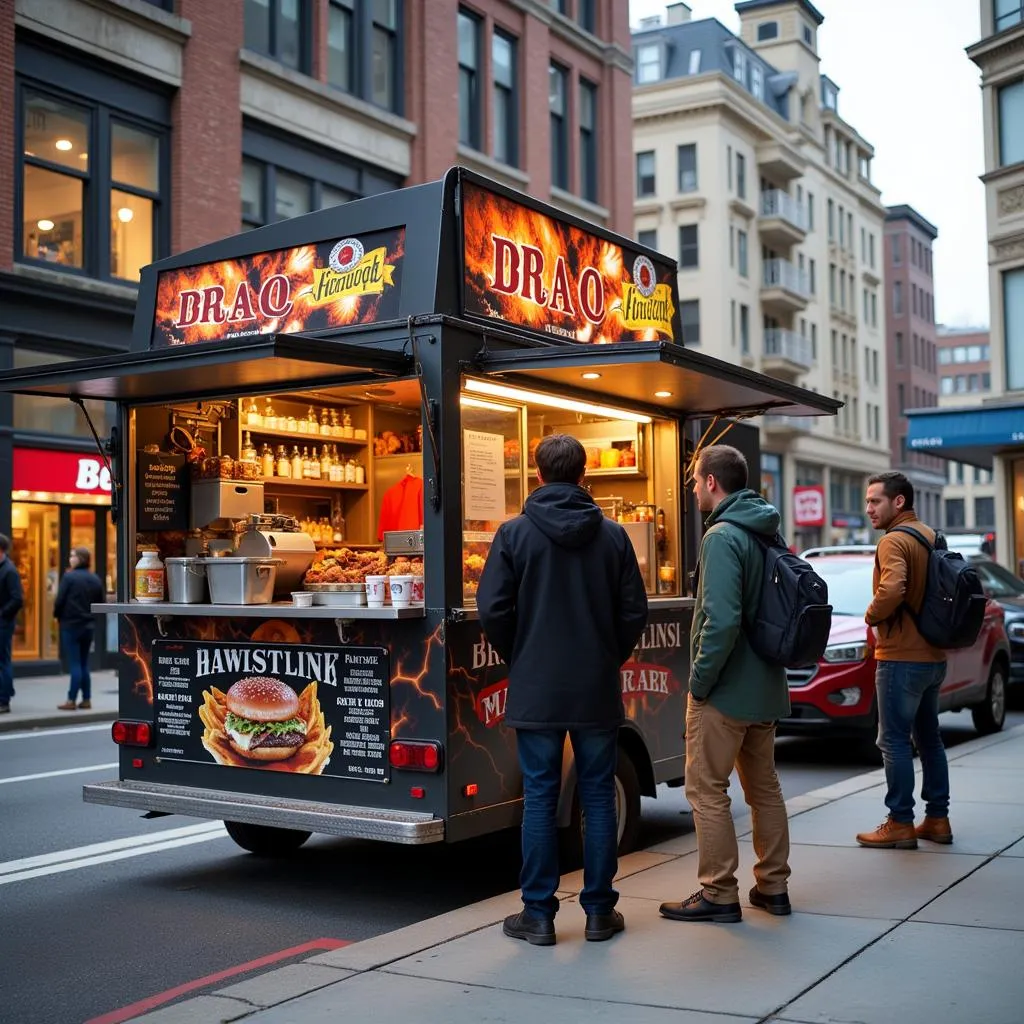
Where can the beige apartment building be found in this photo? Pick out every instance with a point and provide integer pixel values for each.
(991, 434)
(748, 174)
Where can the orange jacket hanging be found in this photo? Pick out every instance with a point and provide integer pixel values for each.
(402, 507)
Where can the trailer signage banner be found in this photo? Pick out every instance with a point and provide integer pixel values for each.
(274, 707)
(533, 271)
(334, 283)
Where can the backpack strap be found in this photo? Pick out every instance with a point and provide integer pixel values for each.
(761, 539)
(910, 531)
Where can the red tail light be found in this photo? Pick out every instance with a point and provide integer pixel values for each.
(415, 755)
(132, 734)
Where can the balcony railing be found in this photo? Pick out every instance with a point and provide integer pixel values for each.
(776, 203)
(801, 424)
(783, 274)
(780, 343)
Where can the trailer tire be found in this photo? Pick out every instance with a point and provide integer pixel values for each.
(265, 840)
(627, 805)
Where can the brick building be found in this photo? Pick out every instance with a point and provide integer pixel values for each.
(131, 129)
(912, 354)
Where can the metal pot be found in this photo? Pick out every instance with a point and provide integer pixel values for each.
(186, 580)
(241, 580)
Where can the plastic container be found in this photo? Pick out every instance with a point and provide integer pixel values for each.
(236, 580)
(302, 599)
(376, 590)
(186, 580)
(149, 577)
(417, 591)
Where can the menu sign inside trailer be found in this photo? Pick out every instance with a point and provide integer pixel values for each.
(341, 281)
(528, 269)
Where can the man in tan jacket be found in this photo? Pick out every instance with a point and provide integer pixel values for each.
(908, 672)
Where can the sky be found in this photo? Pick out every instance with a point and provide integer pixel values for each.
(909, 89)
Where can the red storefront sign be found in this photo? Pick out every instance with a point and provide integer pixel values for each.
(809, 506)
(39, 469)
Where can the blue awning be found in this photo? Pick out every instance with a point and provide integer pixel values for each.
(972, 434)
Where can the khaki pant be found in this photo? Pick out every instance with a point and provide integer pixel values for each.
(715, 744)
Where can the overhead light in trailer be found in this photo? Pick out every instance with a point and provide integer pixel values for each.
(486, 387)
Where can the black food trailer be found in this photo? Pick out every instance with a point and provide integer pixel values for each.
(320, 426)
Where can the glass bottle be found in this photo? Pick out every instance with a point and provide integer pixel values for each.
(284, 464)
(267, 461)
(346, 425)
(304, 463)
(253, 417)
(325, 423)
(350, 472)
(325, 463)
(312, 425)
(360, 472)
(269, 416)
(290, 425)
(296, 463)
(337, 522)
(248, 450)
(314, 465)
(335, 425)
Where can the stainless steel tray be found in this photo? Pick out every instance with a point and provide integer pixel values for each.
(335, 588)
(349, 599)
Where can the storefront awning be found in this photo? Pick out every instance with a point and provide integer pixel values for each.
(657, 376)
(971, 434)
(263, 362)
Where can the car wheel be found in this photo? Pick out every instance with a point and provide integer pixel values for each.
(264, 840)
(990, 714)
(627, 813)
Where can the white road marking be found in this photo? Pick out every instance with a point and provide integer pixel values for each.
(102, 853)
(59, 731)
(62, 771)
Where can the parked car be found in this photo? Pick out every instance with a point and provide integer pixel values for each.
(1007, 591)
(837, 696)
(972, 543)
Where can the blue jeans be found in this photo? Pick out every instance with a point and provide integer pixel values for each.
(6, 673)
(540, 757)
(908, 706)
(77, 642)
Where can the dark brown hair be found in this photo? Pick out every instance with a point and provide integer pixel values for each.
(5, 542)
(561, 459)
(894, 484)
(726, 464)
(84, 557)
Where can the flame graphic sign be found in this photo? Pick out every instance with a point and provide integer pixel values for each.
(356, 280)
(531, 270)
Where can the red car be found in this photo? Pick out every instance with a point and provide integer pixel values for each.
(837, 696)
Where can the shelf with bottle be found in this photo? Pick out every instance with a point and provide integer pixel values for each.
(323, 464)
(311, 485)
(289, 421)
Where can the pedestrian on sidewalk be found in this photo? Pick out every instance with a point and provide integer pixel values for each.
(12, 597)
(562, 601)
(908, 672)
(734, 702)
(79, 589)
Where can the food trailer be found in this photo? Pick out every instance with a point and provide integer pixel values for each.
(320, 426)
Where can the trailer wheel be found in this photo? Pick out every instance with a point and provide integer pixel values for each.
(264, 840)
(627, 809)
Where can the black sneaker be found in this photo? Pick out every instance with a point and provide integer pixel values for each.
(697, 908)
(538, 931)
(778, 905)
(603, 926)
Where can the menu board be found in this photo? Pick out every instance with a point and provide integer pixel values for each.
(484, 474)
(163, 492)
(274, 707)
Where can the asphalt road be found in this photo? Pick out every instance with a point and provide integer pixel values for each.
(101, 908)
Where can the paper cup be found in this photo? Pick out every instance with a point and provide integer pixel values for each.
(401, 591)
(376, 591)
(417, 590)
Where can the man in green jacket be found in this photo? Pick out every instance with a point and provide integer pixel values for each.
(734, 702)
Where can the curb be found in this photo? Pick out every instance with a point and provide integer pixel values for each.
(14, 723)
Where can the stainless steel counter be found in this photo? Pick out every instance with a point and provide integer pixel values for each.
(277, 610)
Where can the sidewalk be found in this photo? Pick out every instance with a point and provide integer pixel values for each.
(932, 936)
(36, 698)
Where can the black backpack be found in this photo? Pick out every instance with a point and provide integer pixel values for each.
(953, 609)
(793, 618)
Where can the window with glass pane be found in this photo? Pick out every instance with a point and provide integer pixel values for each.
(134, 170)
(741, 247)
(741, 176)
(469, 85)
(557, 88)
(689, 313)
(586, 14)
(253, 211)
(385, 53)
(292, 196)
(687, 158)
(506, 99)
(1013, 318)
(648, 63)
(1011, 123)
(1008, 13)
(689, 256)
(588, 140)
(645, 180)
(333, 197)
(341, 45)
(648, 238)
(279, 29)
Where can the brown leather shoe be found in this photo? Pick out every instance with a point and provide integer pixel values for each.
(68, 705)
(85, 705)
(890, 835)
(935, 830)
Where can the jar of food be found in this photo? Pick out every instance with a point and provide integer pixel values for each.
(360, 473)
(289, 424)
(247, 469)
(149, 577)
(629, 456)
(350, 472)
(346, 425)
(225, 467)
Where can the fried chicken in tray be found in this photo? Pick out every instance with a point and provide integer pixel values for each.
(343, 565)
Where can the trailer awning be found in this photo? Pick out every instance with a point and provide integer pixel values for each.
(259, 363)
(657, 376)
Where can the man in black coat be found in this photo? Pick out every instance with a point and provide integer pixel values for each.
(80, 588)
(563, 603)
(12, 597)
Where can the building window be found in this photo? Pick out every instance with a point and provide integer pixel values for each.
(897, 250)
(91, 187)
(279, 29)
(355, 28)
(648, 238)
(728, 166)
(645, 180)
(741, 176)
(808, 35)
(694, 66)
(588, 140)
(745, 329)
(648, 63)
(812, 276)
(1011, 123)
(945, 356)
(470, 129)
(832, 220)
(586, 15)
(557, 88)
(384, 90)
(689, 313)
(767, 30)
(897, 298)
(341, 45)
(810, 211)
(505, 99)
(741, 246)
(984, 510)
(687, 161)
(1008, 13)
(757, 81)
(689, 254)
(1013, 321)
(954, 513)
